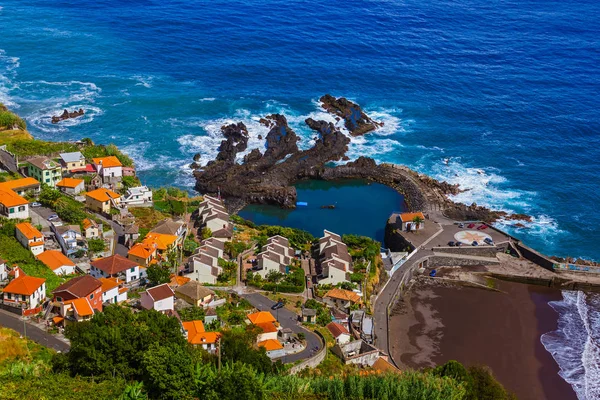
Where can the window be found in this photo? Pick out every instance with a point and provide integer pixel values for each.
(132, 269)
(47, 180)
(22, 297)
(58, 298)
(8, 295)
(21, 208)
(92, 296)
(11, 210)
(47, 173)
(133, 278)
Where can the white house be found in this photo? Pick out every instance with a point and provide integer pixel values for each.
(137, 195)
(109, 169)
(335, 263)
(160, 298)
(113, 290)
(276, 255)
(57, 262)
(3, 270)
(25, 290)
(12, 205)
(339, 332)
(30, 237)
(197, 336)
(408, 219)
(91, 229)
(69, 238)
(204, 267)
(115, 266)
(214, 216)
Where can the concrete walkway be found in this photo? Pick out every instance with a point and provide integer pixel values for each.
(13, 321)
(492, 260)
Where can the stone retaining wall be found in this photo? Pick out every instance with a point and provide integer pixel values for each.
(443, 261)
(313, 361)
(480, 251)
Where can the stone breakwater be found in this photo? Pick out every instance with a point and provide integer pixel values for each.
(268, 178)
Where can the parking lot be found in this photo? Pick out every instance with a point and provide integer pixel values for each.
(448, 235)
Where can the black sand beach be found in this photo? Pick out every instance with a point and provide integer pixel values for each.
(477, 326)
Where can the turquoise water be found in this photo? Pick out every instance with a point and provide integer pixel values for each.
(361, 208)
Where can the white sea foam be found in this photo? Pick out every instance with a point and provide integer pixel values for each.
(8, 73)
(145, 81)
(207, 99)
(575, 345)
(137, 153)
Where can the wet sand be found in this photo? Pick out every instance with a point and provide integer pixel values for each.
(476, 326)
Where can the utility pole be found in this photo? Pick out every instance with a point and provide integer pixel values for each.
(219, 353)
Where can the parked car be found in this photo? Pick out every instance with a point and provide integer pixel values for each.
(451, 244)
(36, 204)
(433, 273)
(277, 305)
(461, 225)
(53, 217)
(474, 243)
(458, 244)
(471, 226)
(489, 241)
(482, 227)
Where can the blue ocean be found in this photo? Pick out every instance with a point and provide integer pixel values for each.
(508, 91)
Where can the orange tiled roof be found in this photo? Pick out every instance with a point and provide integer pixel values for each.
(19, 183)
(343, 295)
(261, 317)
(267, 327)
(10, 199)
(29, 231)
(82, 306)
(109, 283)
(408, 217)
(54, 259)
(89, 223)
(69, 182)
(102, 195)
(197, 335)
(161, 241)
(107, 162)
(177, 280)
(24, 284)
(141, 250)
(270, 344)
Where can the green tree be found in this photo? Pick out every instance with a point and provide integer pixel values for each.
(96, 246)
(205, 233)
(158, 274)
(168, 371)
(234, 381)
(274, 276)
(237, 346)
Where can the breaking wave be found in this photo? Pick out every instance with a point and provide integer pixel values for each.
(575, 345)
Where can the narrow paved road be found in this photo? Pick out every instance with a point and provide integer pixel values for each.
(385, 298)
(287, 319)
(34, 333)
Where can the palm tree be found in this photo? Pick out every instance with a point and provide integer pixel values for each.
(417, 221)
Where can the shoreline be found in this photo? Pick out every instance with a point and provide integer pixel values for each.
(502, 330)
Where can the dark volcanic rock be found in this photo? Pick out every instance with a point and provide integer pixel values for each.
(355, 120)
(197, 157)
(66, 115)
(236, 140)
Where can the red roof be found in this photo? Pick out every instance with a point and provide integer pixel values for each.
(337, 329)
(88, 168)
(80, 286)
(160, 292)
(114, 264)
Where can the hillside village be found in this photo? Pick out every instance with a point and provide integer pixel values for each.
(81, 233)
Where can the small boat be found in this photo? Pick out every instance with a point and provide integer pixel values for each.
(301, 203)
(329, 206)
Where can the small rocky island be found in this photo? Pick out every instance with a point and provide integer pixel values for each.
(67, 115)
(268, 178)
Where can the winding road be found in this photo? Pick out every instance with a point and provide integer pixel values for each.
(34, 333)
(287, 319)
